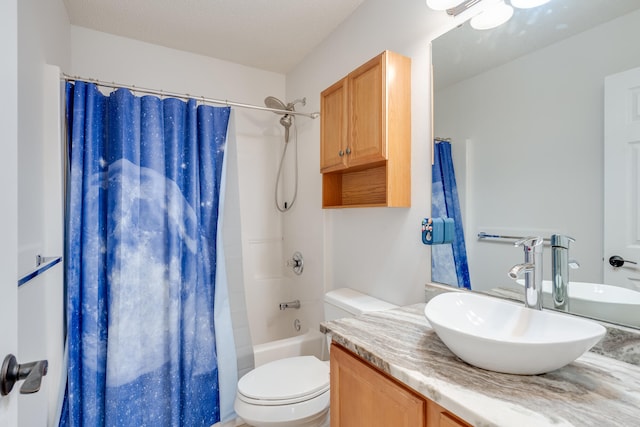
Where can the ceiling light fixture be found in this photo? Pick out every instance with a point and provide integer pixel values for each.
(486, 14)
(493, 16)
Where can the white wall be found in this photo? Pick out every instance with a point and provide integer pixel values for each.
(9, 194)
(374, 250)
(43, 38)
(535, 132)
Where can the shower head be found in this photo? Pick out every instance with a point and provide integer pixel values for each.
(287, 119)
(273, 102)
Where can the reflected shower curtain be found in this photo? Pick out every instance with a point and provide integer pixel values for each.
(449, 261)
(144, 323)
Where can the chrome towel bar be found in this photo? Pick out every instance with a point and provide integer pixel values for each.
(43, 264)
(482, 235)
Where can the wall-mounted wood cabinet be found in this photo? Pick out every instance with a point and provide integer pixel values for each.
(365, 135)
(361, 395)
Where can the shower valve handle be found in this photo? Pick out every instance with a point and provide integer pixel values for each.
(296, 263)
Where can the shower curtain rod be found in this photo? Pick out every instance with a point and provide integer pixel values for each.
(228, 103)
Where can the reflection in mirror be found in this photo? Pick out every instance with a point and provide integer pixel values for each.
(524, 107)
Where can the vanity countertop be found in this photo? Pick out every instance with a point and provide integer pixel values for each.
(594, 390)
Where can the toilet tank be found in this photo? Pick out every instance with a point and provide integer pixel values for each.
(346, 302)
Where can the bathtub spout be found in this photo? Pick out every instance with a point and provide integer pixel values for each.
(290, 304)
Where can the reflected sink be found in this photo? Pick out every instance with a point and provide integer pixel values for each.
(611, 303)
(504, 336)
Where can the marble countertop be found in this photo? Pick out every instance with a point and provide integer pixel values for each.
(594, 390)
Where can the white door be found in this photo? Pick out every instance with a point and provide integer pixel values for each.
(8, 197)
(622, 179)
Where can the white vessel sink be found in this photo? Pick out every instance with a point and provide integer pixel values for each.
(504, 336)
(611, 303)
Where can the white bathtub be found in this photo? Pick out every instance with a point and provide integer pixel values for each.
(311, 343)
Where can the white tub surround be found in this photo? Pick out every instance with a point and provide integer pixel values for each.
(593, 390)
(311, 343)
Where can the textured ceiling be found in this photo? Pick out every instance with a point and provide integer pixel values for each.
(273, 35)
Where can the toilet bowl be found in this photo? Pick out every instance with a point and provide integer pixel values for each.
(286, 392)
(294, 392)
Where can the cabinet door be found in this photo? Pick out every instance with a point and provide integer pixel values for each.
(437, 416)
(363, 396)
(367, 102)
(333, 127)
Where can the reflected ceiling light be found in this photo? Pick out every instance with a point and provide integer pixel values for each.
(493, 16)
(527, 4)
(442, 4)
(488, 13)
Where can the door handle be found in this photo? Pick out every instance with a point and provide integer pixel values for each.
(618, 261)
(13, 372)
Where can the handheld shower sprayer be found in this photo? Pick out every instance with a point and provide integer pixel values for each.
(286, 121)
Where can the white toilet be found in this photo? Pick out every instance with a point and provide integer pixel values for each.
(295, 391)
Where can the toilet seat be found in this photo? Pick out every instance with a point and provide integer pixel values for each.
(285, 382)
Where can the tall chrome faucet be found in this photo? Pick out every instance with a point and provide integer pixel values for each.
(532, 268)
(560, 264)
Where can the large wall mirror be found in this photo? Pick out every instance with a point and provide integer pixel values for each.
(524, 107)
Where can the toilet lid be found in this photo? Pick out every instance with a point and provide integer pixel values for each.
(289, 380)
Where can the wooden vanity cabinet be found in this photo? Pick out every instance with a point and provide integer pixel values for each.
(362, 395)
(437, 416)
(365, 135)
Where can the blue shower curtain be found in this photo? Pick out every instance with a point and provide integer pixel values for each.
(449, 261)
(146, 316)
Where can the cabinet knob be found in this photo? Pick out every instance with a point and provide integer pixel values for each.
(348, 150)
(340, 153)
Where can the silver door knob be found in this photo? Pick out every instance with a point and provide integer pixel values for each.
(13, 372)
(618, 261)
